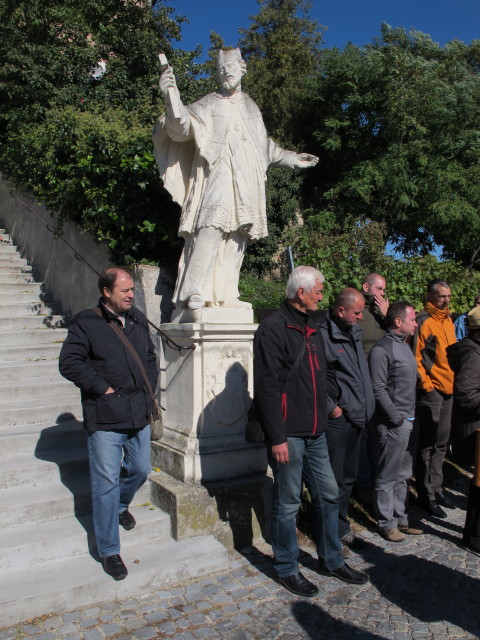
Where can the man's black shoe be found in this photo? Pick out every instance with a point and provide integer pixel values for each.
(126, 520)
(348, 574)
(353, 542)
(444, 500)
(432, 507)
(113, 565)
(299, 585)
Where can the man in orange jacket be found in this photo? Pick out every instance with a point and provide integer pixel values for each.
(435, 332)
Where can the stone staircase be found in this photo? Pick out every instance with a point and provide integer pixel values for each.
(47, 549)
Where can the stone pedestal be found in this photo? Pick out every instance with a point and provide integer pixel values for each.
(206, 394)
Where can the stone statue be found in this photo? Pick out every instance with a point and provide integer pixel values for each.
(213, 156)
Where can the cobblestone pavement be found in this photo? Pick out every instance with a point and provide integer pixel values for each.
(426, 588)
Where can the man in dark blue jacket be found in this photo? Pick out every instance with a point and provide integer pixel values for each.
(116, 406)
(290, 395)
(350, 401)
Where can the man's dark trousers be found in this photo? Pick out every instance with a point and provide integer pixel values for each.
(343, 441)
(434, 414)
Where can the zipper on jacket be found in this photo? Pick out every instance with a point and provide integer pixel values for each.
(314, 382)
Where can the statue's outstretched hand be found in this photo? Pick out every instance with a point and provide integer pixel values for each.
(167, 80)
(305, 160)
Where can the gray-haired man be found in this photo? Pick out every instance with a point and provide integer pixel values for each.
(293, 411)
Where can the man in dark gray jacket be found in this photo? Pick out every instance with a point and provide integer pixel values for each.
(393, 369)
(350, 400)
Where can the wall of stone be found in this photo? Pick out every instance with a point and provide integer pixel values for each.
(69, 282)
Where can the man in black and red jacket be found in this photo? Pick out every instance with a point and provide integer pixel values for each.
(291, 398)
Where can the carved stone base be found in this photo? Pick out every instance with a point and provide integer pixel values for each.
(206, 394)
(236, 512)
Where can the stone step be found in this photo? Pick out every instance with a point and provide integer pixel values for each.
(38, 439)
(46, 468)
(42, 503)
(33, 337)
(20, 371)
(10, 297)
(35, 353)
(74, 582)
(40, 411)
(6, 249)
(12, 259)
(34, 288)
(12, 277)
(9, 267)
(72, 537)
(32, 322)
(48, 388)
(23, 505)
(12, 310)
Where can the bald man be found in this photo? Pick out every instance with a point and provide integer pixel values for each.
(350, 400)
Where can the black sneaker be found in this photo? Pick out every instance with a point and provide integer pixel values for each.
(298, 585)
(444, 500)
(126, 520)
(113, 565)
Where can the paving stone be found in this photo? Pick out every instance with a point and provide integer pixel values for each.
(65, 629)
(111, 628)
(93, 634)
(88, 622)
(72, 616)
(134, 623)
(145, 633)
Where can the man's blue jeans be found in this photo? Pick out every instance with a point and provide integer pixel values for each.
(308, 461)
(119, 465)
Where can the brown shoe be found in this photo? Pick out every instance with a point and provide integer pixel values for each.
(392, 535)
(411, 531)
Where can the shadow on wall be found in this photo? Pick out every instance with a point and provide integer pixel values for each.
(244, 502)
(65, 444)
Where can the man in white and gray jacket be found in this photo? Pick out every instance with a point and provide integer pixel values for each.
(393, 371)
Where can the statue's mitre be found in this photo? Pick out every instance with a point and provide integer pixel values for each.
(224, 55)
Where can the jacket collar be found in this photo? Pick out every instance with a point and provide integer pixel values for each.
(294, 316)
(394, 335)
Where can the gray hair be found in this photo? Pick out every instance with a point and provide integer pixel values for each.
(305, 277)
(433, 285)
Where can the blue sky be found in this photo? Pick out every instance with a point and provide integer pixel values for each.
(357, 21)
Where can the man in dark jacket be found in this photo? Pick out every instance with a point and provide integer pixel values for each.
(373, 328)
(350, 400)
(372, 323)
(290, 395)
(394, 378)
(116, 406)
(464, 360)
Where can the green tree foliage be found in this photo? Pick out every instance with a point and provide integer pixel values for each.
(346, 254)
(80, 145)
(396, 128)
(281, 47)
